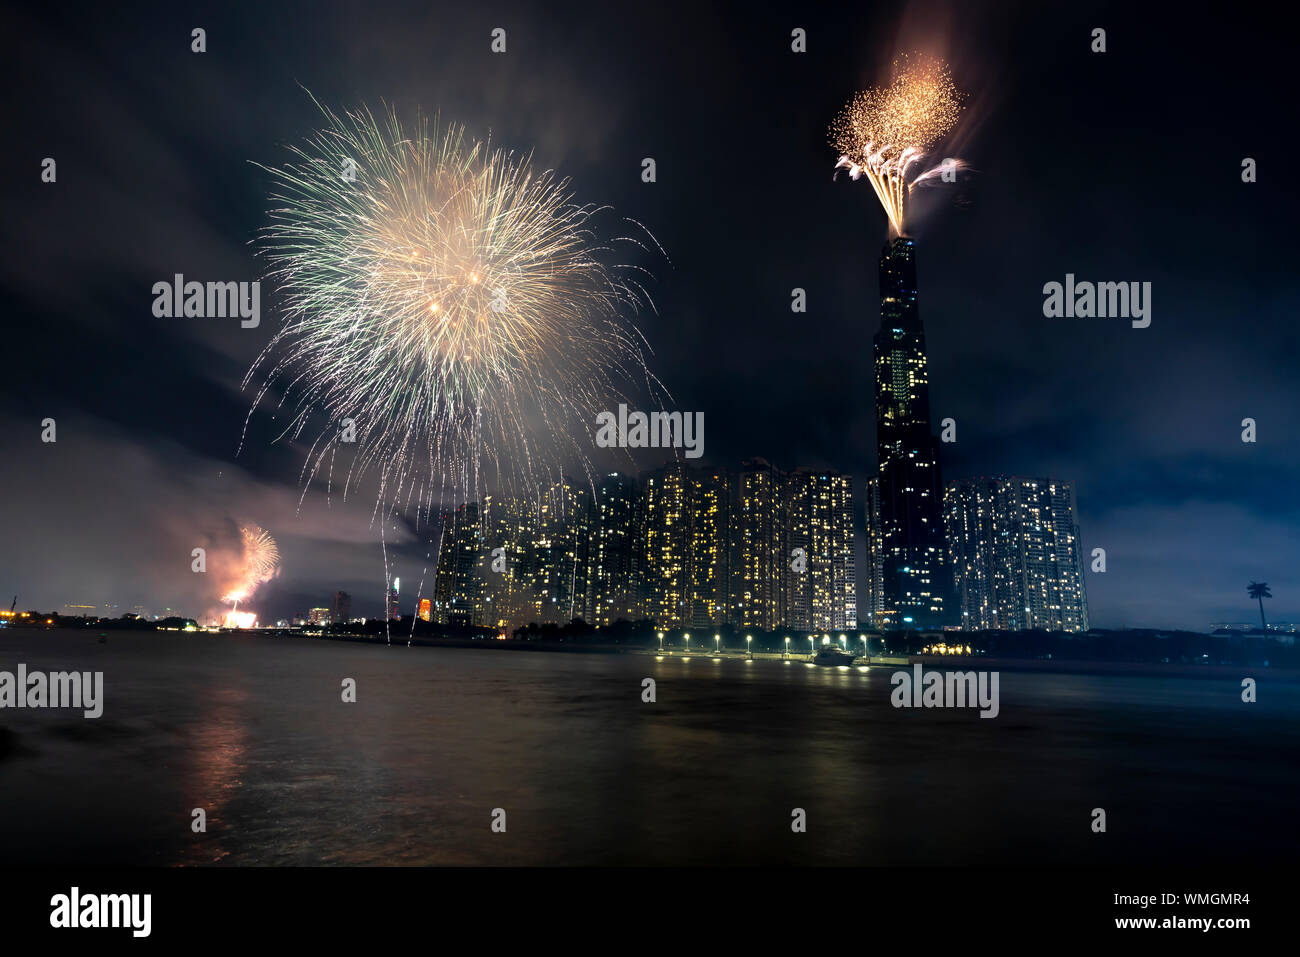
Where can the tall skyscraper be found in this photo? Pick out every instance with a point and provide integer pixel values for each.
(916, 581)
(1016, 556)
(392, 608)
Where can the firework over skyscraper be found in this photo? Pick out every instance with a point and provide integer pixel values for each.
(885, 133)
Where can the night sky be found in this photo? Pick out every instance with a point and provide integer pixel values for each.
(1122, 166)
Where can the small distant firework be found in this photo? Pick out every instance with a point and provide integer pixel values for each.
(884, 133)
(259, 561)
(447, 300)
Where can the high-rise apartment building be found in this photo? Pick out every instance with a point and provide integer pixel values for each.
(871, 594)
(820, 572)
(758, 580)
(458, 584)
(1016, 556)
(666, 547)
(565, 521)
(695, 548)
(710, 552)
(616, 530)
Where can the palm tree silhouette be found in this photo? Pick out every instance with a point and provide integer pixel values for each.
(1260, 590)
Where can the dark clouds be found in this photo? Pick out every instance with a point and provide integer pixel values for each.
(1122, 166)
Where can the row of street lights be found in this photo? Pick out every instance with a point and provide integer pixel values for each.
(717, 643)
(749, 646)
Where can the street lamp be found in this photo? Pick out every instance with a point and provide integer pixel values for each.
(661, 642)
(787, 646)
(687, 636)
(748, 645)
(717, 646)
(811, 643)
(843, 646)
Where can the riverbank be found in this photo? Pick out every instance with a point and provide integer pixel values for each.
(943, 662)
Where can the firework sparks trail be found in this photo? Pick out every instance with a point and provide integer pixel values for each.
(450, 301)
(884, 133)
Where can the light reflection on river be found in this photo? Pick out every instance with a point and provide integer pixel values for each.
(254, 731)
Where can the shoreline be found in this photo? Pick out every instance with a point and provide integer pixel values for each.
(1100, 668)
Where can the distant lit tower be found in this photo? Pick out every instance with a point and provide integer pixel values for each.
(391, 606)
(915, 579)
(342, 606)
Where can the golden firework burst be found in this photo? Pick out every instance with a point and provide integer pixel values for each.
(884, 133)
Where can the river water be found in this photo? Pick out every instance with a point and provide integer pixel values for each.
(254, 731)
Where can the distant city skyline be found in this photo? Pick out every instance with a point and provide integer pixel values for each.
(757, 548)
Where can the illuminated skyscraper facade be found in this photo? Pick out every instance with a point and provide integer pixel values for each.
(759, 527)
(616, 527)
(1015, 552)
(393, 607)
(820, 573)
(871, 595)
(669, 495)
(690, 548)
(458, 586)
(915, 578)
(710, 550)
(508, 562)
(565, 559)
